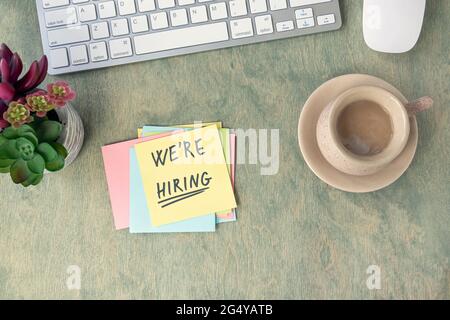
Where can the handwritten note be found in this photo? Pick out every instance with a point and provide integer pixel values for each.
(229, 149)
(140, 221)
(185, 175)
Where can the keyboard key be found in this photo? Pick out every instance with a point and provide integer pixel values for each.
(198, 14)
(120, 48)
(68, 35)
(119, 27)
(264, 24)
(165, 4)
(126, 7)
(185, 2)
(305, 23)
(299, 3)
(258, 6)
(80, 1)
(98, 52)
(180, 38)
(238, 8)
(87, 13)
(326, 19)
(146, 5)
(304, 13)
(78, 55)
(277, 4)
(139, 24)
(159, 20)
(61, 17)
(47, 4)
(285, 26)
(100, 30)
(178, 17)
(58, 58)
(218, 11)
(241, 28)
(107, 10)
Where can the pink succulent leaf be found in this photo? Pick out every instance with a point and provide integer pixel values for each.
(29, 79)
(37, 74)
(62, 83)
(5, 52)
(16, 67)
(11, 67)
(3, 124)
(3, 107)
(40, 103)
(58, 103)
(5, 71)
(36, 93)
(43, 68)
(7, 92)
(60, 93)
(21, 100)
(71, 96)
(17, 114)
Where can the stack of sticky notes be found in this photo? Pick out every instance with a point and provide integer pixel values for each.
(173, 179)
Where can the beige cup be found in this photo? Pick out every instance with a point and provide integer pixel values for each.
(343, 159)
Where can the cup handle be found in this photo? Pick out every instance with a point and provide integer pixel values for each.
(419, 105)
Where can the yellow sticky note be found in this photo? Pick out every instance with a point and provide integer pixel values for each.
(185, 175)
(218, 124)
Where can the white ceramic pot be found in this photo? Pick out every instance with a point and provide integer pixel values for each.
(72, 135)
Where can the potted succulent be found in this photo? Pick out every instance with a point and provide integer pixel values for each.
(39, 130)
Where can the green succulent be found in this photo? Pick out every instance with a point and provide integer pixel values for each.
(25, 152)
(17, 114)
(40, 104)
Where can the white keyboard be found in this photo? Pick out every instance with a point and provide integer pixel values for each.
(89, 34)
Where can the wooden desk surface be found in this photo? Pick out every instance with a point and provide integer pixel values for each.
(296, 237)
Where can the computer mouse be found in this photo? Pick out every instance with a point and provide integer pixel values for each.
(392, 26)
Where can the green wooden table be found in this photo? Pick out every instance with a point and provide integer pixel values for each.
(295, 237)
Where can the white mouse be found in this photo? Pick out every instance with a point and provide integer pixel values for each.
(392, 26)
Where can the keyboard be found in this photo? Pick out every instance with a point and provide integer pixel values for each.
(82, 35)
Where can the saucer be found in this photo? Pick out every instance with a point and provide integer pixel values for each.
(321, 167)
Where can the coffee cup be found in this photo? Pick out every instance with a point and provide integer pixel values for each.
(362, 130)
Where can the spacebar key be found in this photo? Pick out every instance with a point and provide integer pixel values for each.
(181, 38)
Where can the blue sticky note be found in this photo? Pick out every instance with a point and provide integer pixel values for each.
(154, 129)
(150, 129)
(140, 221)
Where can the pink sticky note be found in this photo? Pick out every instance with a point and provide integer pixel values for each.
(116, 159)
